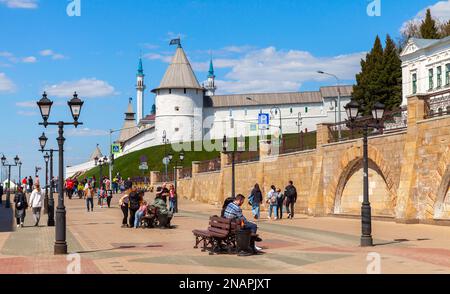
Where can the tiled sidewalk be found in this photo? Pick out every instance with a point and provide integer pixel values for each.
(302, 245)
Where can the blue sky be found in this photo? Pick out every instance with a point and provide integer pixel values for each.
(257, 45)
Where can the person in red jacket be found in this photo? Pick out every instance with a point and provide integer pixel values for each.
(69, 188)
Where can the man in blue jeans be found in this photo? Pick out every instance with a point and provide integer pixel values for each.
(234, 211)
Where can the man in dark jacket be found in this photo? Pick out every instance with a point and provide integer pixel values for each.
(21, 205)
(133, 205)
(291, 197)
(1, 192)
(128, 184)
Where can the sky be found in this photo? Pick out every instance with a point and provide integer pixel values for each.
(256, 45)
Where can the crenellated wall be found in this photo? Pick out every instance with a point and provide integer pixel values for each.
(409, 173)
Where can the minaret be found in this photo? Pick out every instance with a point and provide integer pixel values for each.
(210, 83)
(140, 87)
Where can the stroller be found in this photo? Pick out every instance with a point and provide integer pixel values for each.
(156, 219)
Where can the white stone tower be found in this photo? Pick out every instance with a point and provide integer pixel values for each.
(211, 81)
(140, 88)
(179, 102)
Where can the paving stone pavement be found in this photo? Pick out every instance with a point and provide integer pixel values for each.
(302, 245)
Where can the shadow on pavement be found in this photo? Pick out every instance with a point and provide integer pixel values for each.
(6, 219)
(119, 248)
(397, 241)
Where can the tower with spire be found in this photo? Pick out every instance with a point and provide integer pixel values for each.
(140, 88)
(129, 128)
(179, 101)
(210, 82)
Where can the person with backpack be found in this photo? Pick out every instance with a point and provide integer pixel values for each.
(272, 200)
(280, 200)
(21, 205)
(291, 197)
(133, 205)
(255, 200)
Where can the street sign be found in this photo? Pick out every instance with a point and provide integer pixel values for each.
(263, 121)
(143, 166)
(166, 161)
(116, 149)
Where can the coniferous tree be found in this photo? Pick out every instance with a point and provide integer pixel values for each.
(428, 29)
(445, 29)
(392, 76)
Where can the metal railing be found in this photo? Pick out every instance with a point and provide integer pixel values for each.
(249, 156)
(185, 173)
(209, 166)
(437, 106)
(300, 142)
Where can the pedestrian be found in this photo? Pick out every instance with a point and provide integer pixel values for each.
(255, 200)
(123, 203)
(20, 199)
(280, 201)
(30, 184)
(1, 192)
(80, 190)
(100, 196)
(36, 199)
(164, 193)
(133, 206)
(172, 198)
(89, 195)
(109, 192)
(140, 214)
(128, 184)
(37, 181)
(24, 184)
(272, 200)
(291, 197)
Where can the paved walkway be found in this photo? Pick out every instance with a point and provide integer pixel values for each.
(302, 245)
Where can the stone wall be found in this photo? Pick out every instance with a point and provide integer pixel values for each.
(409, 173)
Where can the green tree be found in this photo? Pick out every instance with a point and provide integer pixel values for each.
(391, 77)
(368, 82)
(428, 28)
(445, 29)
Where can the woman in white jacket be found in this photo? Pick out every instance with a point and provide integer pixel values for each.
(36, 200)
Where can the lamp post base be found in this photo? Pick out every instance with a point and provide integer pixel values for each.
(60, 247)
(8, 201)
(366, 241)
(51, 213)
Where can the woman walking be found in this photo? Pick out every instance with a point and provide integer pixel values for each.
(123, 203)
(36, 203)
(20, 199)
(89, 195)
(280, 202)
(256, 200)
(172, 199)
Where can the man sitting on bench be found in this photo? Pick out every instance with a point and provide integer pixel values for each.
(234, 211)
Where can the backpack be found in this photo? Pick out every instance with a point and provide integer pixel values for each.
(273, 198)
(291, 192)
(251, 199)
(20, 204)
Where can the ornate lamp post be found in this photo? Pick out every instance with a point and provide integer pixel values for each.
(8, 192)
(226, 150)
(338, 100)
(46, 159)
(20, 173)
(51, 201)
(75, 105)
(352, 110)
(179, 160)
(100, 162)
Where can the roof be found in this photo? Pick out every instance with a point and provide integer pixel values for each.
(275, 98)
(416, 44)
(129, 129)
(211, 70)
(179, 74)
(97, 153)
(327, 92)
(140, 68)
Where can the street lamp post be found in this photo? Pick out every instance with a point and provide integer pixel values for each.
(181, 158)
(165, 141)
(352, 109)
(226, 150)
(338, 101)
(8, 192)
(300, 132)
(46, 159)
(100, 162)
(75, 105)
(20, 173)
(51, 201)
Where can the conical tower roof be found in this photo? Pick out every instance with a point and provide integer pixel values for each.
(97, 153)
(129, 128)
(179, 74)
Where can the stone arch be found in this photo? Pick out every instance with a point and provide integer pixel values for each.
(443, 174)
(349, 161)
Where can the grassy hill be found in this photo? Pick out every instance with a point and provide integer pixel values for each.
(128, 165)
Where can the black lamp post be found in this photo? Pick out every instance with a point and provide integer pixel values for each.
(179, 160)
(50, 200)
(20, 173)
(352, 110)
(226, 150)
(8, 192)
(45, 106)
(46, 159)
(100, 162)
(166, 159)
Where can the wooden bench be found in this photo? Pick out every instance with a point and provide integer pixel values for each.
(221, 233)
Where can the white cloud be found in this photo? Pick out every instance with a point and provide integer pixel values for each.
(6, 54)
(85, 88)
(24, 4)
(156, 56)
(272, 70)
(27, 113)
(52, 54)
(6, 85)
(29, 59)
(439, 11)
(27, 104)
(86, 132)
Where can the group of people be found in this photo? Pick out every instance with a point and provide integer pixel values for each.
(277, 200)
(135, 208)
(35, 203)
